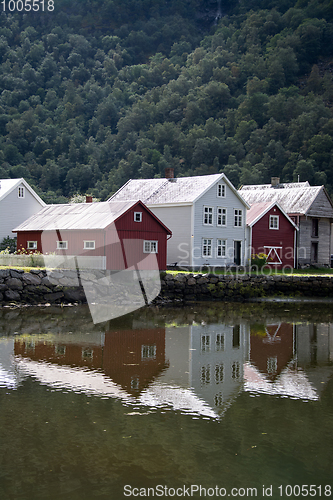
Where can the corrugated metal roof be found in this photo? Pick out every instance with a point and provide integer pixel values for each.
(294, 200)
(75, 216)
(258, 210)
(170, 191)
(159, 191)
(283, 185)
(7, 186)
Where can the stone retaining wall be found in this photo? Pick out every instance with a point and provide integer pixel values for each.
(37, 287)
(192, 287)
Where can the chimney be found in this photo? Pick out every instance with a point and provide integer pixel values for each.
(169, 173)
(89, 199)
(275, 181)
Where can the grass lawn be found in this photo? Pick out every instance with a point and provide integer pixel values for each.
(312, 271)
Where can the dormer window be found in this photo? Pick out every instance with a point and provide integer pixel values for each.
(137, 216)
(20, 192)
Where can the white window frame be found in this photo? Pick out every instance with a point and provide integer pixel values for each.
(148, 351)
(33, 246)
(62, 245)
(274, 222)
(150, 246)
(21, 192)
(87, 247)
(207, 244)
(220, 190)
(221, 246)
(208, 216)
(137, 216)
(238, 217)
(221, 216)
(205, 342)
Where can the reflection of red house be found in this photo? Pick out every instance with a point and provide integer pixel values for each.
(272, 347)
(131, 358)
(119, 234)
(273, 233)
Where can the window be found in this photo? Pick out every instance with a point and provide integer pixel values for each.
(221, 216)
(272, 365)
(31, 245)
(62, 245)
(89, 245)
(206, 247)
(205, 343)
(87, 353)
(205, 375)
(219, 342)
(235, 370)
(273, 222)
(137, 216)
(238, 214)
(148, 351)
(221, 190)
(219, 373)
(20, 192)
(208, 216)
(221, 248)
(315, 228)
(150, 246)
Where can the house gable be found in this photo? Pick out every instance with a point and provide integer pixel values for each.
(321, 206)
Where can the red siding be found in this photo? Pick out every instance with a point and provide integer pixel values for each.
(121, 242)
(24, 237)
(263, 237)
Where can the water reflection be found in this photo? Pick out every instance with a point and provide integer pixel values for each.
(198, 366)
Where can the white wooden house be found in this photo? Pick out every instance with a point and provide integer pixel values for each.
(206, 214)
(309, 207)
(18, 201)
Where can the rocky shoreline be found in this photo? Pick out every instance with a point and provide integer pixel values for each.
(35, 287)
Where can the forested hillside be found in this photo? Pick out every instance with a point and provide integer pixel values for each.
(95, 92)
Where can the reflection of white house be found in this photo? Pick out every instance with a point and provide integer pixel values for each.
(9, 377)
(206, 367)
(209, 359)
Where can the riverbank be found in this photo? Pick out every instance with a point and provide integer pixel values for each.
(37, 286)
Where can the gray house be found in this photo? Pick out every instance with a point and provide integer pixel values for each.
(309, 207)
(18, 201)
(206, 214)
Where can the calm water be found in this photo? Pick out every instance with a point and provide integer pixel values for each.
(214, 397)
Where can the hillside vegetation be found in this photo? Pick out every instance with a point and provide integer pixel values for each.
(99, 91)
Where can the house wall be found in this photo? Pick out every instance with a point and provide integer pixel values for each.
(15, 210)
(132, 234)
(229, 232)
(178, 220)
(263, 237)
(306, 239)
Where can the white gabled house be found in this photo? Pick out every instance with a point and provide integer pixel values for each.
(206, 214)
(18, 201)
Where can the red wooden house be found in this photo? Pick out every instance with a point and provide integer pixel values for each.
(272, 232)
(111, 235)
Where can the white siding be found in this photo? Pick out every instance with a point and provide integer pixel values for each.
(15, 210)
(214, 232)
(178, 220)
